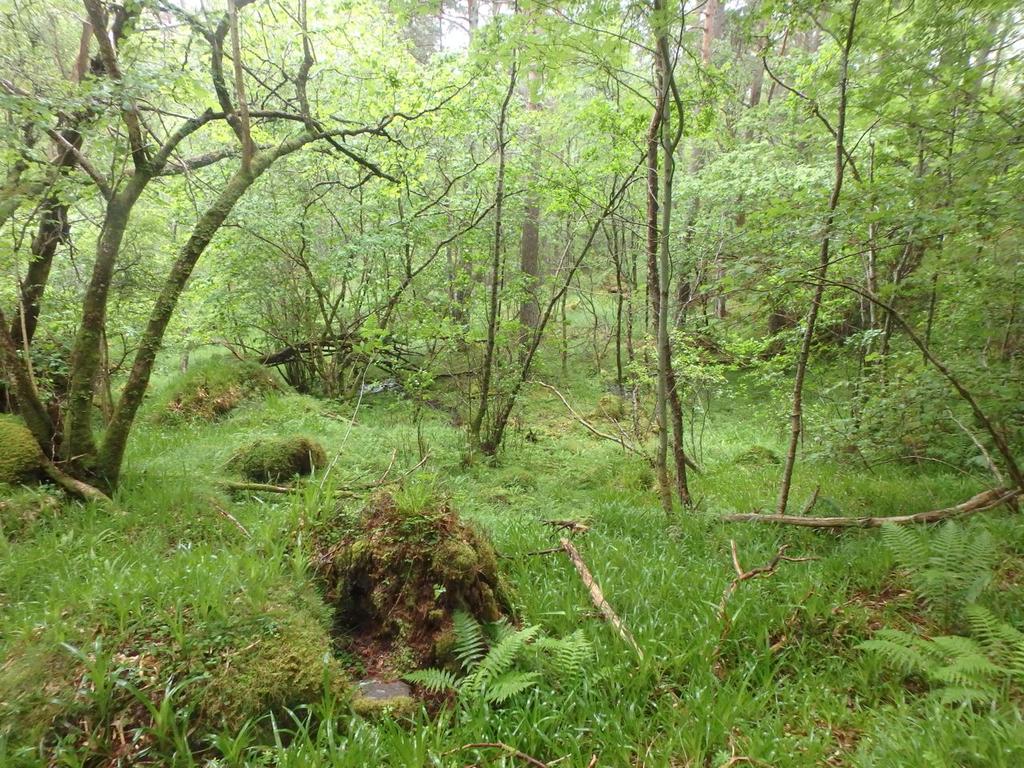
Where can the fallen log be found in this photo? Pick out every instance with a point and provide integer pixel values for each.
(981, 502)
(597, 597)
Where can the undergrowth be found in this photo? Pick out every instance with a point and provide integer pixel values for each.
(143, 622)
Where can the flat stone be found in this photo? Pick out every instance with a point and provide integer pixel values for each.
(377, 690)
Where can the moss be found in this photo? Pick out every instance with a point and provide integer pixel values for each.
(756, 456)
(20, 456)
(213, 388)
(278, 458)
(395, 577)
(35, 685)
(374, 709)
(288, 666)
(21, 509)
(611, 407)
(456, 560)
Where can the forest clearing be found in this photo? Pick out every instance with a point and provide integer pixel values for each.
(511, 383)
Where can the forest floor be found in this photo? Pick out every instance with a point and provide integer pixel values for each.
(95, 605)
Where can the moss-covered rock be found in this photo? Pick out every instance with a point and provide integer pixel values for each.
(374, 699)
(20, 456)
(756, 456)
(21, 509)
(395, 575)
(278, 458)
(288, 664)
(212, 388)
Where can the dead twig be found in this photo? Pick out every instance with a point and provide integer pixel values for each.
(597, 597)
(234, 520)
(529, 760)
(627, 446)
(811, 502)
(992, 466)
(983, 501)
(746, 575)
(572, 526)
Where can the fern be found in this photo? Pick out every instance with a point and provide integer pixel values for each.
(497, 663)
(959, 669)
(470, 644)
(499, 660)
(510, 684)
(434, 680)
(948, 570)
(566, 656)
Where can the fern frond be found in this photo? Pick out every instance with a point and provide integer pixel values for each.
(504, 687)
(568, 655)
(972, 671)
(907, 546)
(434, 680)
(953, 646)
(500, 658)
(898, 649)
(964, 695)
(470, 643)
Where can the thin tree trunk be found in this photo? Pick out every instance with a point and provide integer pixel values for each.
(487, 371)
(796, 417)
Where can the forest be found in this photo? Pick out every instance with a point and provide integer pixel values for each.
(622, 383)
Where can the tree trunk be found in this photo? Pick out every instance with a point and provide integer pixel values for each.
(487, 445)
(796, 416)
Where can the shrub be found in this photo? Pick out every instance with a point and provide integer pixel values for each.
(279, 458)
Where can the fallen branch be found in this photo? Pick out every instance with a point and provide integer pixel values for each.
(597, 597)
(231, 485)
(983, 501)
(504, 748)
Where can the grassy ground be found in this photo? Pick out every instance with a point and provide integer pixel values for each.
(164, 603)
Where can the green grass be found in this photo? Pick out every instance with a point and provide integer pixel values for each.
(167, 593)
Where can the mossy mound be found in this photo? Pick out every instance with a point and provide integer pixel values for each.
(272, 658)
(756, 456)
(21, 509)
(611, 407)
(289, 664)
(212, 388)
(20, 456)
(278, 458)
(396, 574)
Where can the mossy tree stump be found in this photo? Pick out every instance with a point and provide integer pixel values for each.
(395, 575)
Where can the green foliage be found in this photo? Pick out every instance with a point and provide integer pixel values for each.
(958, 669)
(275, 459)
(19, 452)
(948, 568)
(499, 662)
